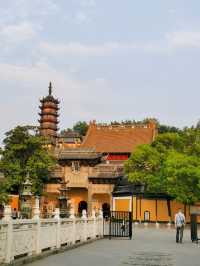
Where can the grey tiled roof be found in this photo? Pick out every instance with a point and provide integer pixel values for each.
(77, 154)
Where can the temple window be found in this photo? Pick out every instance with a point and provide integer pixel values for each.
(75, 166)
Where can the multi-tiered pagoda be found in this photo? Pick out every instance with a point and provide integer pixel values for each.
(49, 116)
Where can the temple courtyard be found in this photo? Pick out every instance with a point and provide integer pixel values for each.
(149, 247)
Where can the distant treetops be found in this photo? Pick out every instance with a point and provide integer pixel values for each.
(82, 126)
(171, 165)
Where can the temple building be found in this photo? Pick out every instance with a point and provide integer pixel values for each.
(69, 139)
(93, 168)
(117, 142)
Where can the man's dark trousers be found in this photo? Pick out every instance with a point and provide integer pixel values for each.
(179, 234)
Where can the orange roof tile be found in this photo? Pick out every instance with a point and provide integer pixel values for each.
(119, 138)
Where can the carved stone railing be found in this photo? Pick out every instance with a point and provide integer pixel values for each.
(32, 237)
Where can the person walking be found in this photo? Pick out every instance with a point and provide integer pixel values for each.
(179, 225)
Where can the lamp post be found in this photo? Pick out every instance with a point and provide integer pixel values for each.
(26, 198)
(64, 199)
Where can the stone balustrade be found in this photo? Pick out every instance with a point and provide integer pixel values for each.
(33, 236)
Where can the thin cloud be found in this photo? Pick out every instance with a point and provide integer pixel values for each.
(17, 33)
(169, 43)
(78, 49)
(88, 3)
(81, 17)
(183, 39)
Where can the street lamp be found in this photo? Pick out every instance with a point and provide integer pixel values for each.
(26, 198)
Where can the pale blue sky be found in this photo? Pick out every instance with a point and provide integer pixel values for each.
(107, 59)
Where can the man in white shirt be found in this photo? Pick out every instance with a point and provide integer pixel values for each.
(179, 225)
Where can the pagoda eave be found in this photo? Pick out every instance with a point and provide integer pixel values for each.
(48, 113)
(50, 100)
(43, 120)
(42, 107)
(48, 128)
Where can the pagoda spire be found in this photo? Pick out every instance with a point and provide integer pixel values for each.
(50, 88)
(49, 115)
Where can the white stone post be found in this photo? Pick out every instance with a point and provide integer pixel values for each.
(8, 219)
(58, 227)
(36, 218)
(100, 214)
(72, 217)
(146, 224)
(72, 213)
(36, 209)
(100, 226)
(94, 223)
(157, 225)
(169, 224)
(84, 218)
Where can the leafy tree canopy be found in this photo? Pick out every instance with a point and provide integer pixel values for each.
(81, 127)
(171, 165)
(24, 153)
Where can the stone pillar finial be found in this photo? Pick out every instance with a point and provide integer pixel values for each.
(57, 213)
(36, 213)
(7, 213)
(36, 209)
(100, 214)
(93, 214)
(84, 214)
(72, 213)
(37, 201)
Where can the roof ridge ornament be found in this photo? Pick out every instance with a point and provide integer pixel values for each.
(50, 88)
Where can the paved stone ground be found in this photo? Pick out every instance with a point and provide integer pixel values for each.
(149, 247)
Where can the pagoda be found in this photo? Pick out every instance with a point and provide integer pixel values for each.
(49, 116)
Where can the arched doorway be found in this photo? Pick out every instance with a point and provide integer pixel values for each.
(106, 209)
(82, 206)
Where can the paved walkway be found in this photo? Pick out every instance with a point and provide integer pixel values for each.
(149, 247)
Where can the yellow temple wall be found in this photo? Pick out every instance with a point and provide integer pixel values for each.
(99, 199)
(77, 179)
(148, 206)
(76, 196)
(134, 207)
(140, 206)
(122, 204)
(162, 211)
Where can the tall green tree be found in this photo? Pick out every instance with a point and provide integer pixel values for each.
(24, 153)
(171, 164)
(182, 177)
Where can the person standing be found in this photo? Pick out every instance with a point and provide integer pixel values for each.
(179, 225)
(14, 213)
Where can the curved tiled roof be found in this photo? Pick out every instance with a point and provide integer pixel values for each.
(77, 154)
(118, 139)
